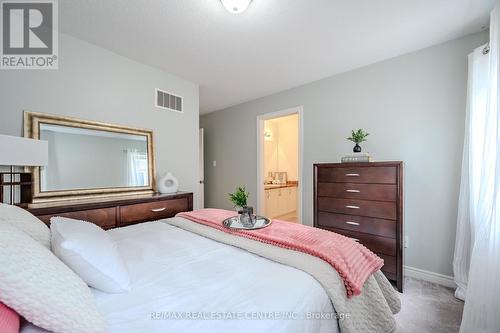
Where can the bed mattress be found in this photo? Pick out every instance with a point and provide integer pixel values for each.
(183, 282)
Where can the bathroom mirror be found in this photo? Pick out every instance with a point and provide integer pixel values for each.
(90, 159)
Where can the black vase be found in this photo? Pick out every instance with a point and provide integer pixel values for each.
(357, 148)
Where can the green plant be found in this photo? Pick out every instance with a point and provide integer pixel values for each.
(239, 197)
(358, 136)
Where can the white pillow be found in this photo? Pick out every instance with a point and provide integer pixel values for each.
(41, 288)
(91, 253)
(27, 222)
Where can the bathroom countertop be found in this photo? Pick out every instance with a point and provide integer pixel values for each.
(271, 187)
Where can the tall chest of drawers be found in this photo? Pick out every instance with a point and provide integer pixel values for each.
(364, 201)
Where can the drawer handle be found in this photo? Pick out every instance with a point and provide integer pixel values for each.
(355, 239)
(353, 191)
(157, 210)
(352, 174)
(352, 223)
(352, 207)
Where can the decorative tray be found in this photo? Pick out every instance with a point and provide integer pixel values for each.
(235, 223)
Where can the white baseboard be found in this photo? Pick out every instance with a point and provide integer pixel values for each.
(436, 278)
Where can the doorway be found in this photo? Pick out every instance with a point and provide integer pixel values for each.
(279, 165)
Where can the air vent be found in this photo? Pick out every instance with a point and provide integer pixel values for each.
(166, 100)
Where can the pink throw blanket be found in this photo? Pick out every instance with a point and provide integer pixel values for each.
(354, 262)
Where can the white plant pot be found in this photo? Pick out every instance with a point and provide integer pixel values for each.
(168, 184)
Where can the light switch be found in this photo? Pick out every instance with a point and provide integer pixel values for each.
(214, 163)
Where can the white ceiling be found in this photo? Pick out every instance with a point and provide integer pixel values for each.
(274, 45)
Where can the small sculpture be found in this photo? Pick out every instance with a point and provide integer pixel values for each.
(168, 184)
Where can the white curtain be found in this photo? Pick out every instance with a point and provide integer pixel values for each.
(133, 175)
(468, 223)
(477, 251)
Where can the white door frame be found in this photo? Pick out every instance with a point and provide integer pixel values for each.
(260, 155)
(201, 169)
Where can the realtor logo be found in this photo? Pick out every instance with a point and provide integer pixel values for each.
(29, 35)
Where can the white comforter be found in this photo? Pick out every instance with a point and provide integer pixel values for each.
(177, 274)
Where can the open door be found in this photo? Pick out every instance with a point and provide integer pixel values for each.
(201, 171)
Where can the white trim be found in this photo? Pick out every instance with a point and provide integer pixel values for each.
(441, 279)
(201, 166)
(260, 153)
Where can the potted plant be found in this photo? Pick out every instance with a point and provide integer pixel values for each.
(357, 137)
(240, 199)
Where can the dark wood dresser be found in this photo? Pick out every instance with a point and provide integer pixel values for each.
(119, 211)
(364, 201)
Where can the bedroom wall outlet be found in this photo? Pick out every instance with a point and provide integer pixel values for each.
(214, 163)
(406, 242)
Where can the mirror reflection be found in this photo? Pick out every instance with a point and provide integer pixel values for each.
(81, 158)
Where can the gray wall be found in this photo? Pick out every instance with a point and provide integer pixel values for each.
(95, 84)
(414, 108)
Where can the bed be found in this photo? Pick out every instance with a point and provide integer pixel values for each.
(176, 273)
(183, 275)
(182, 281)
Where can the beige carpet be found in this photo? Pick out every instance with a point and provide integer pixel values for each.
(428, 307)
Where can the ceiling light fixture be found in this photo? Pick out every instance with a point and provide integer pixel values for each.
(236, 6)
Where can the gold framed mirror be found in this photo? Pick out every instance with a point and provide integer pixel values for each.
(89, 159)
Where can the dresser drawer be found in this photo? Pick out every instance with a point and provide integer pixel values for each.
(364, 201)
(376, 175)
(378, 209)
(103, 217)
(376, 244)
(369, 225)
(358, 191)
(152, 211)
